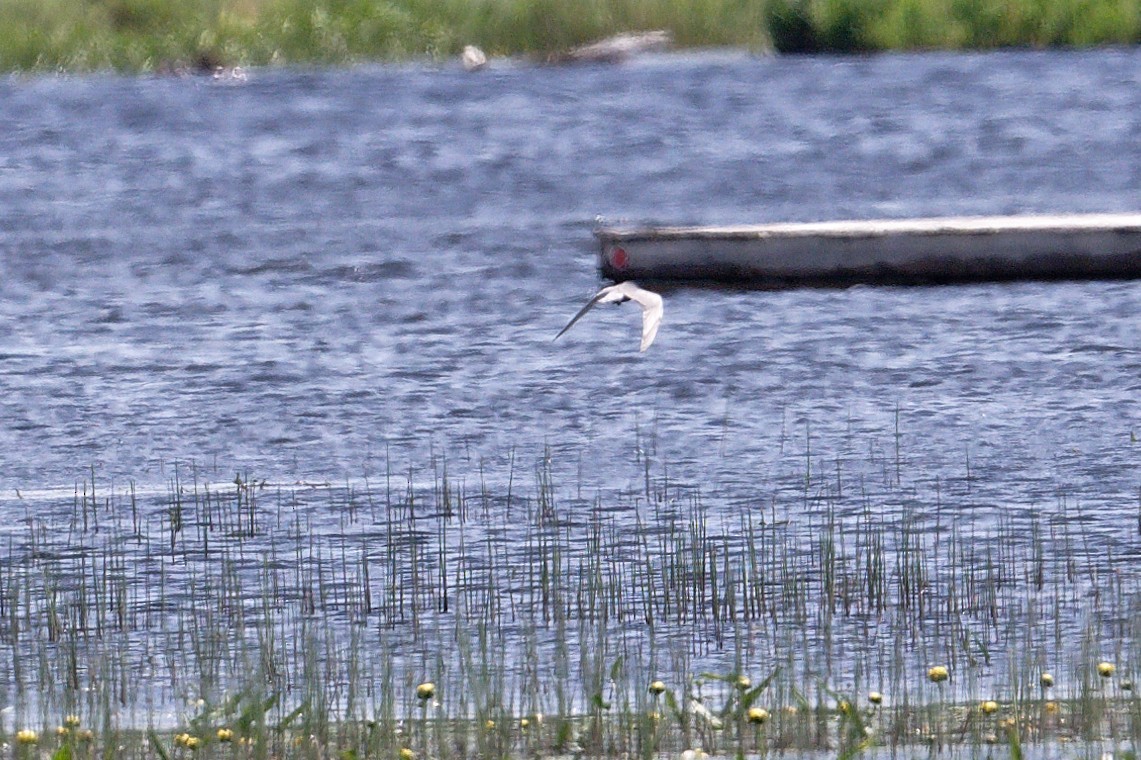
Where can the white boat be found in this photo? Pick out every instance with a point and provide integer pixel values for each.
(884, 251)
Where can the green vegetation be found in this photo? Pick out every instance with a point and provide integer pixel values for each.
(844, 729)
(850, 25)
(143, 35)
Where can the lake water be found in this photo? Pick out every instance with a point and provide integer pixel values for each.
(354, 276)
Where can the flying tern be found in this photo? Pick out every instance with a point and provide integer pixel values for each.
(651, 304)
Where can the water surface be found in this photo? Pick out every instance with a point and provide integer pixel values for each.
(331, 276)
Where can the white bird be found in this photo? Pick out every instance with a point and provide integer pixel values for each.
(651, 304)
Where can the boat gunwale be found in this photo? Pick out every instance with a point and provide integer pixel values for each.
(1127, 223)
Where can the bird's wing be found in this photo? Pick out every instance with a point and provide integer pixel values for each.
(651, 320)
(651, 304)
(652, 310)
(589, 305)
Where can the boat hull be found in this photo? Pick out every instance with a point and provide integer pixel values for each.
(902, 251)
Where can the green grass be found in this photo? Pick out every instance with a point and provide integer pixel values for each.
(145, 35)
(847, 726)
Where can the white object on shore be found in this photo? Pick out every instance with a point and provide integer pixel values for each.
(618, 48)
(473, 59)
(651, 303)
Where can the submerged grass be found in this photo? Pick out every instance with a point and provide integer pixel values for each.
(145, 35)
(423, 618)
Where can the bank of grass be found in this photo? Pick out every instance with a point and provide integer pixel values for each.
(733, 722)
(145, 35)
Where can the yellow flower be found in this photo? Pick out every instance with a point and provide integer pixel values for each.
(654, 716)
(988, 707)
(1046, 680)
(71, 721)
(523, 723)
(489, 724)
(657, 687)
(844, 706)
(407, 754)
(62, 731)
(938, 674)
(426, 690)
(743, 683)
(1051, 707)
(875, 697)
(1106, 669)
(193, 742)
(758, 715)
(225, 735)
(27, 736)
(180, 739)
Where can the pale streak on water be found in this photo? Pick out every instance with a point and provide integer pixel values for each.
(308, 274)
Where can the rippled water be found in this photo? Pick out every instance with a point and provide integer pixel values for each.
(284, 275)
(328, 275)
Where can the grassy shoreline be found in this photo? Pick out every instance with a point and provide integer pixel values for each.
(150, 35)
(245, 729)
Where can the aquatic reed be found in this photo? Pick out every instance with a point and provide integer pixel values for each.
(444, 621)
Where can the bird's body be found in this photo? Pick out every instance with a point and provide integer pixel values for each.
(651, 304)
